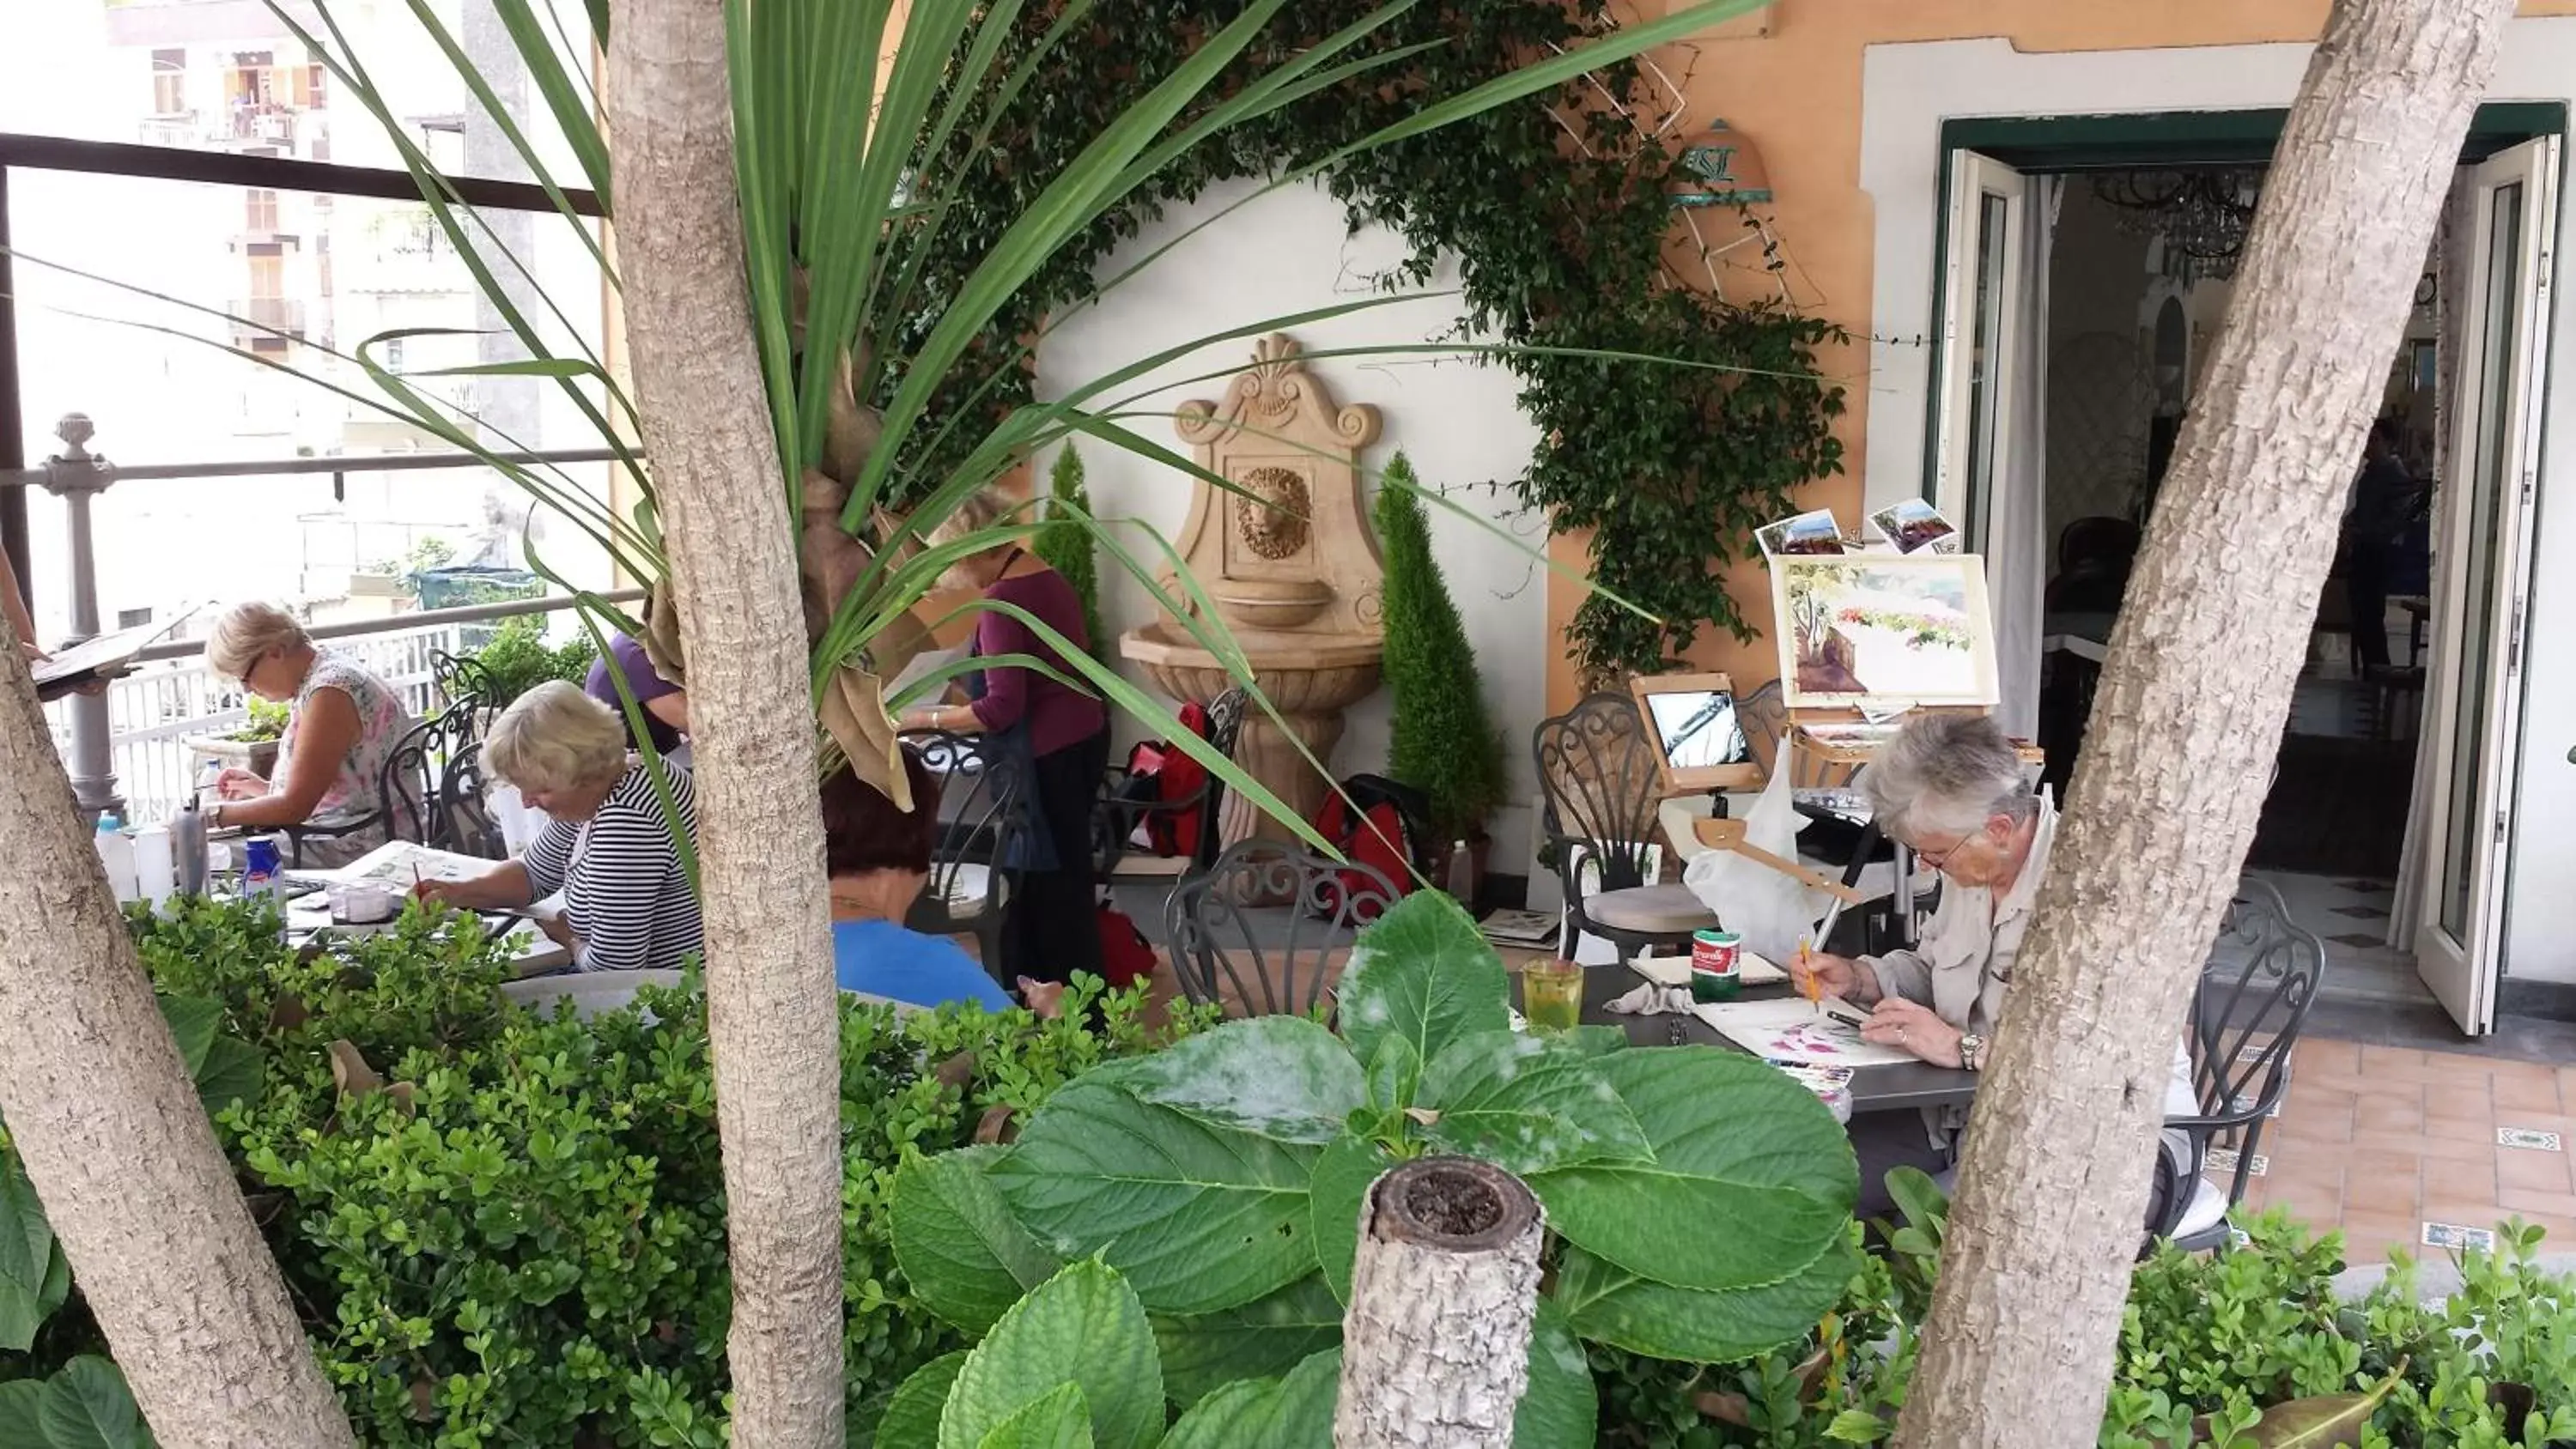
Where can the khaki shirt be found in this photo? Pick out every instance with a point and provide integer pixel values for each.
(1964, 961)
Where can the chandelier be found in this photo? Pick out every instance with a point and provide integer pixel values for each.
(2203, 216)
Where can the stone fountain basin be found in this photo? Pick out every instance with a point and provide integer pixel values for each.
(1300, 674)
(1308, 678)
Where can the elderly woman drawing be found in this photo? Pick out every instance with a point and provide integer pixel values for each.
(609, 848)
(1953, 788)
(343, 722)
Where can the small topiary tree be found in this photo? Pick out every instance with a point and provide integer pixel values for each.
(1444, 744)
(1065, 544)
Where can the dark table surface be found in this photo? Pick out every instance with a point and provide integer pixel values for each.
(1874, 1089)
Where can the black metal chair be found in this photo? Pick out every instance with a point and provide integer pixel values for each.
(416, 775)
(2247, 1014)
(471, 828)
(983, 839)
(1116, 817)
(1600, 782)
(1268, 960)
(460, 681)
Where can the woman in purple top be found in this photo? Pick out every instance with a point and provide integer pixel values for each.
(1050, 928)
(666, 709)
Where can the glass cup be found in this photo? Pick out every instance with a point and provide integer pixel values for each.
(1552, 994)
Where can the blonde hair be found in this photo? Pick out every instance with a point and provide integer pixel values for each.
(555, 737)
(976, 512)
(248, 633)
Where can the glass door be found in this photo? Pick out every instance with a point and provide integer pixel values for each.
(1984, 288)
(2481, 581)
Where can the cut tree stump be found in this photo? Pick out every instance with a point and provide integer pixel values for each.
(1435, 1347)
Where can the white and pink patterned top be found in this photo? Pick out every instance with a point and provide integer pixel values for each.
(353, 789)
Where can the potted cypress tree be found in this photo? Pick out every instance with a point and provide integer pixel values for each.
(1065, 544)
(1443, 742)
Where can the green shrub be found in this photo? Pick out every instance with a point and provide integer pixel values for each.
(1067, 545)
(517, 659)
(265, 721)
(1223, 1181)
(521, 1240)
(2211, 1349)
(1442, 741)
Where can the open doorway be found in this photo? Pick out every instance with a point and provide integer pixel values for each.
(2079, 309)
(2142, 268)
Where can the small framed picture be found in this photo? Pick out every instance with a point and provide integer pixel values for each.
(1914, 526)
(1809, 533)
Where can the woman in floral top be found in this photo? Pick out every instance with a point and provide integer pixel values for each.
(343, 725)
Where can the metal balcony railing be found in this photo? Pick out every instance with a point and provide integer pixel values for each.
(138, 731)
(265, 316)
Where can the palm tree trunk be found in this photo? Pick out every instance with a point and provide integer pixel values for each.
(772, 1010)
(102, 1109)
(2018, 1350)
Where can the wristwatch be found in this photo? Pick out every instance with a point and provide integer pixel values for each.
(1972, 1052)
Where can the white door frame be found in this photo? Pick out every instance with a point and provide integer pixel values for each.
(1983, 191)
(2494, 462)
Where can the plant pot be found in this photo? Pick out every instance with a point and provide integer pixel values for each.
(257, 756)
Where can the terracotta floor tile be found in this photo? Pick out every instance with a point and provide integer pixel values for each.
(2445, 1102)
(2514, 1095)
(2534, 1171)
(2567, 1084)
(2459, 1181)
(2519, 1071)
(2395, 1064)
(2317, 1118)
(2386, 1111)
(2317, 1201)
(2367, 1237)
(2391, 1193)
(2316, 1055)
(2556, 1204)
(2447, 1147)
(2335, 1079)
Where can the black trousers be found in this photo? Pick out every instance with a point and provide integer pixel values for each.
(1050, 929)
(1884, 1141)
(2365, 592)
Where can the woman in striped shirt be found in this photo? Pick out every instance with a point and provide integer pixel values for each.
(609, 850)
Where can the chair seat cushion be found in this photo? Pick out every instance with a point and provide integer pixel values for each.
(2208, 1210)
(1655, 908)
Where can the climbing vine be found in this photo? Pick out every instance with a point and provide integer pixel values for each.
(1557, 213)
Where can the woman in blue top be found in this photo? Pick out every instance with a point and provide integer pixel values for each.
(878, 858)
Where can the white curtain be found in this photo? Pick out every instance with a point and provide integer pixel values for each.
(2016, 541)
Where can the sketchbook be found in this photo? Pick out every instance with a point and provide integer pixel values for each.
(1791, 1030)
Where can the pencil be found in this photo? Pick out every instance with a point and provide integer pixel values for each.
(1808, 986)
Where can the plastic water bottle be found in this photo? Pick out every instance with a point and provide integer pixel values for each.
(155, 868)
(1461, 882)
(116, 856)
(188, 849)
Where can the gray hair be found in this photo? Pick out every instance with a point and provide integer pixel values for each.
(555, 737)
(1947, 773)
(248, 633)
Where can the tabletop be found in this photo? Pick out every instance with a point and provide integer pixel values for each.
(1874, 1089)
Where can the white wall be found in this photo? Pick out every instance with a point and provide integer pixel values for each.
(1455, 418)
(1909, 90)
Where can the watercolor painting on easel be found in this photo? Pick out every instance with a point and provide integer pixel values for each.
(1876, 626)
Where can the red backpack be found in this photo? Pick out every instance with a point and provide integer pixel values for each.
(1390, 830)
(1126, 957)
(1161, 772)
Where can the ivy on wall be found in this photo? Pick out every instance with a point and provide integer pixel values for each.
(1560, 244)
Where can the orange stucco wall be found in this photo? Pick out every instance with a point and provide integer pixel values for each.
(1795, 94)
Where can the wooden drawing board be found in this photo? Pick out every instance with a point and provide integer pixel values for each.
(1693, 716)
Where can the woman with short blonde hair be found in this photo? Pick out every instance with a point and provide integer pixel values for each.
(1058, 734)
(341, 726)
(609, 848)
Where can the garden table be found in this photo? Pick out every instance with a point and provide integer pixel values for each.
(1873, 1089)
